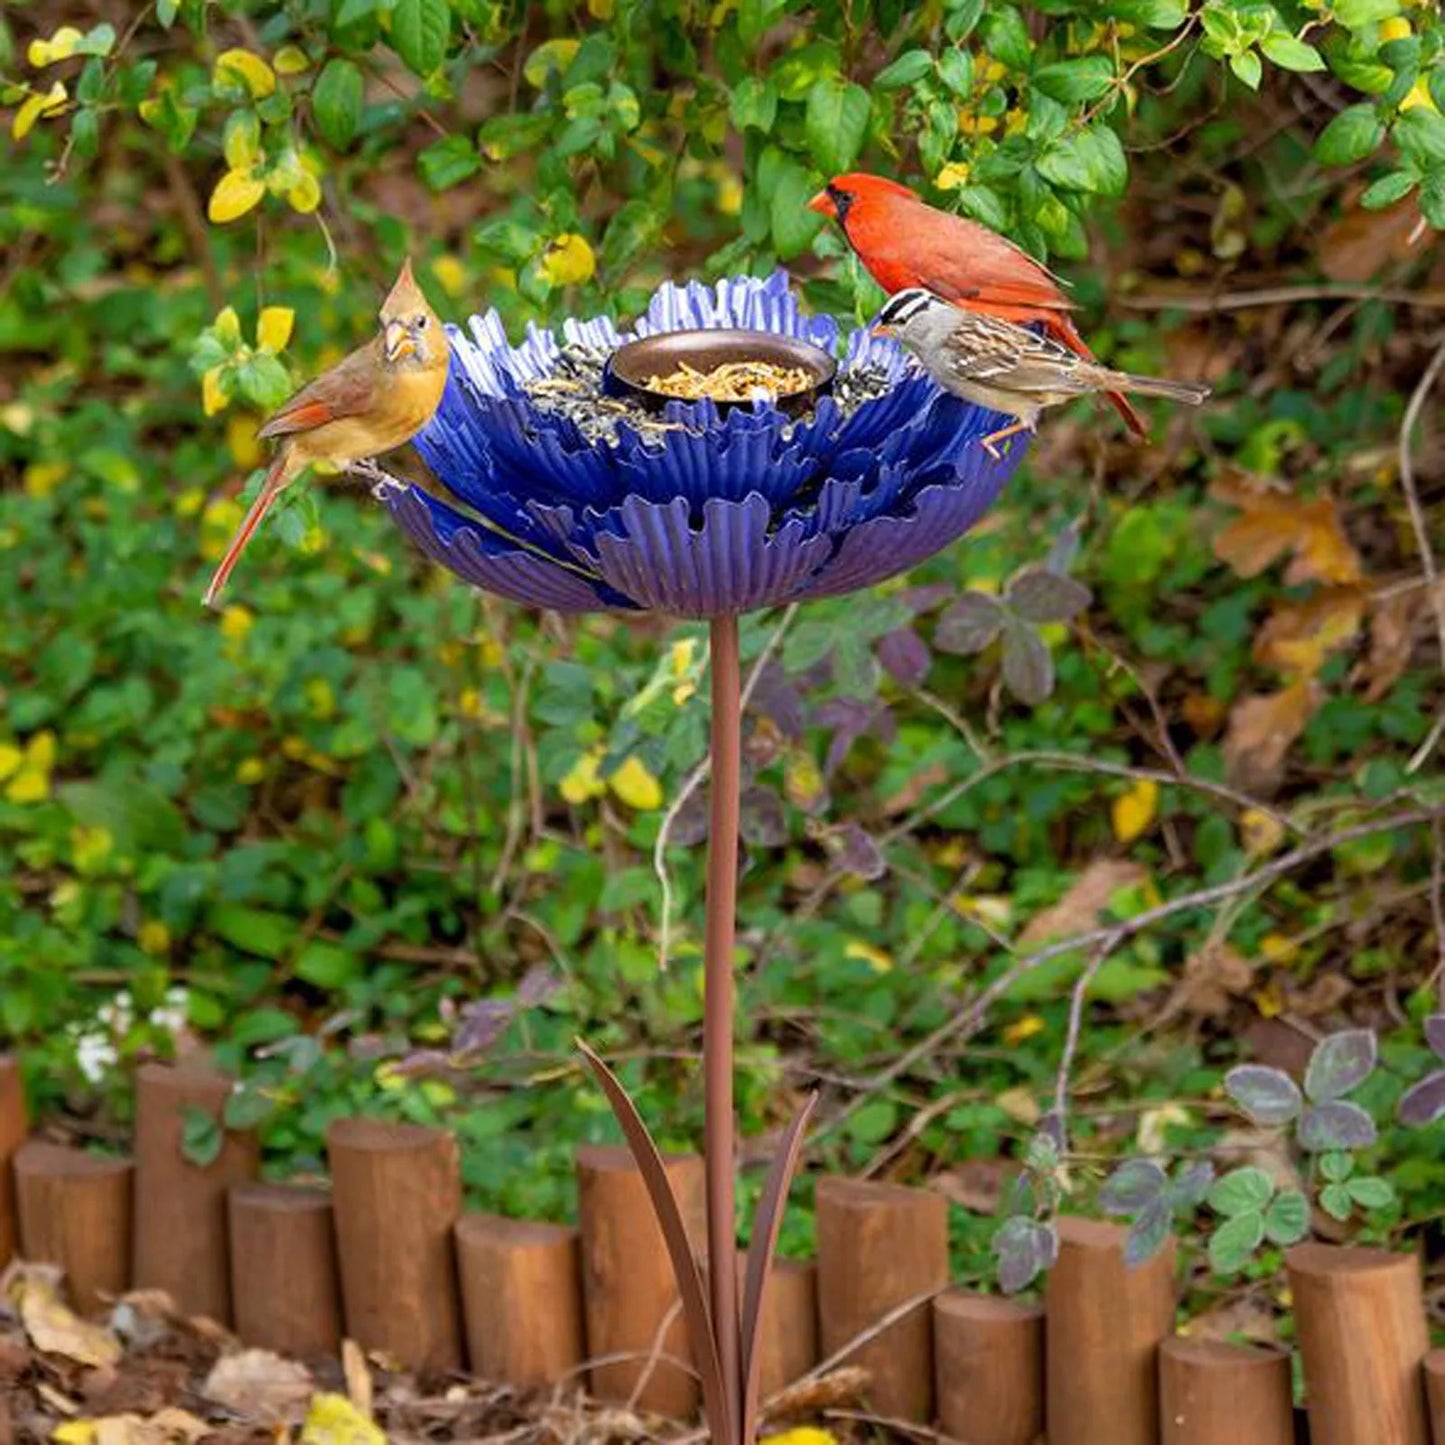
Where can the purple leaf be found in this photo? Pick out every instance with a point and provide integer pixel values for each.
(764, 823)
(924, 599)
(690, 825)
(1028, 669)
(1148, 1232)
(905, 656)
(1338, 1124)
(1341, 1062)
(1191, 1184)
(1435, 1034)
(1424, 1102)
(1040, 596)
(969, 624)
(1065, 549)
(1268, 1096)
(1024, 1249)
(856, 851)
(775, 698)
(1132, 1187)
(852, 718)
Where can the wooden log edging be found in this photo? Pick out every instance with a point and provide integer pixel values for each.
(14, 1128)
(1212, 1393)
(1360, 1320)
(879, 1246)
(1104, 1324)
(396, 1196)
(1435, 1393)
(988, 1368)
(75, 1212)
(182, 1237)
(285, 1284)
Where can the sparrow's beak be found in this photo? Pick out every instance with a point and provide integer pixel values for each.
(398, 340)
(822, 203)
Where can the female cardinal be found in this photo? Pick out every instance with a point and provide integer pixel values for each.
(368, 403)
(1006, 367)
(905, 242)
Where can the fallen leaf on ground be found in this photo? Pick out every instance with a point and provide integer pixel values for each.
(54, 1329)
(977, 1185)
(1262, 729)
(1133, 811)
(1361, 243)
(261, 1385)
(1273, 523)
(1212, 977)
(1086, 898)
(358, 1376)
(166, 1427)
(1299, 636)
(334, 1420)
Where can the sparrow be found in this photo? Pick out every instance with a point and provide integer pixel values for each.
(1006, 367)
(370, 402)
(905, 242)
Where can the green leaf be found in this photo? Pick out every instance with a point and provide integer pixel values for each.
(327, 965)
(1291, 54)
(1371, 1192)
(793, 224)
(1287, 1220)
(984, 204)
(1005, 36)
(754, 103)
(1155, 14)
(1388, 189)
(1351, 136)
(336, 102)
(1241, 1190)
(449, 162)
(1248, 67)
(1354, 14)
(909, 68)
(1420, 133)
(419, 33)
(248, 1107)
(1232, 1243)
(1070, 81)
(955, 67)
(166, 12)
(836, 123)
(201, 1137)
(1432, 199)
(1336, 1201)
(253, 930)
(1337, 1166)
(138, 816)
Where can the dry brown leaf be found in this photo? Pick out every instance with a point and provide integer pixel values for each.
(53, 1328)
(1272, 524)
(977, 1185)
(260, 1385)
(1212, 978)
(1396, 625)
(1252, 1316)
(1362, 243)
(1299, 636)
(1322, 996)
(358, 1376)
(1262, 729)
(1086, 899)
(1203, 713)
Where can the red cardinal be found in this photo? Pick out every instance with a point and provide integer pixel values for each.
(904, 242)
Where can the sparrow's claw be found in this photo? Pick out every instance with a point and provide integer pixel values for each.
(991, 447)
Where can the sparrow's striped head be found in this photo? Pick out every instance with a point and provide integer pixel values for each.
(904, 307)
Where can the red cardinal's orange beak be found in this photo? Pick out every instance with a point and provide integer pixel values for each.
(270, 490)
(822, 203)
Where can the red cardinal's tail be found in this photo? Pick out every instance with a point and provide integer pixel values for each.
(1061, 328)
(282, 470)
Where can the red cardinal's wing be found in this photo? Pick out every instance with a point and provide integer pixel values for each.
(348, 389)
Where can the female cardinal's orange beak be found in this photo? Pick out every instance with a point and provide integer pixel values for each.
(823, 204)
(398, 340)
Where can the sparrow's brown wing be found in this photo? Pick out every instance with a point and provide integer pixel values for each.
(991, 352)
(348, 389)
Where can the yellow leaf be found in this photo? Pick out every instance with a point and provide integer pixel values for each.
(273, 330)
(60, 46)
(600, 9)
(1019, 1105)
(334, 1420)
(451, 273)
(305, 195)
(952, 176)
(236, 622)
(876, 958)
(241, 67)
(290, 60)
(154, 938)
(236, 192)
(213, 393)
(10, 759)
(803, 1435)
(1132, 812)
(1395, 28)
(1260, 832)
(227, 326)
(54, 1330)
(551, 55)
(1025, 1028)
(636, 786)
(569, 261)
(1419, 95)
(250, 770)
(42, 478)
(583, 782)
(242, 442)
(35, 107)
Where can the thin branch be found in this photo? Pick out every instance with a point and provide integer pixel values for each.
(1279, 296)
(1071, 1040)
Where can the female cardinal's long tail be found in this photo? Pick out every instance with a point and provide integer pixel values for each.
(283, 470)
(1061, 327)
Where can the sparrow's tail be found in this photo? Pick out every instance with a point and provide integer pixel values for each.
(1061, 327)
(1191, 393)
(283, 469)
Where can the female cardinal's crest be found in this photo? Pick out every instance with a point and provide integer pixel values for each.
(406, 297)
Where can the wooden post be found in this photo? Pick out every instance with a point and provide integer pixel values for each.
(1360, 1321)
(1103, 1326)
(880, 1245)
(283, 1270)
(397, 1193)
(1435, 1392)
(988, 1362)
(181, 1234)
(628, 1288)
(522, 1293)
(1212, 1393)
(14, 1126)
(788, 1339)
(75, 1212)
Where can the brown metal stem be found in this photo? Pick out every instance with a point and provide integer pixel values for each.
(719, 1128)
